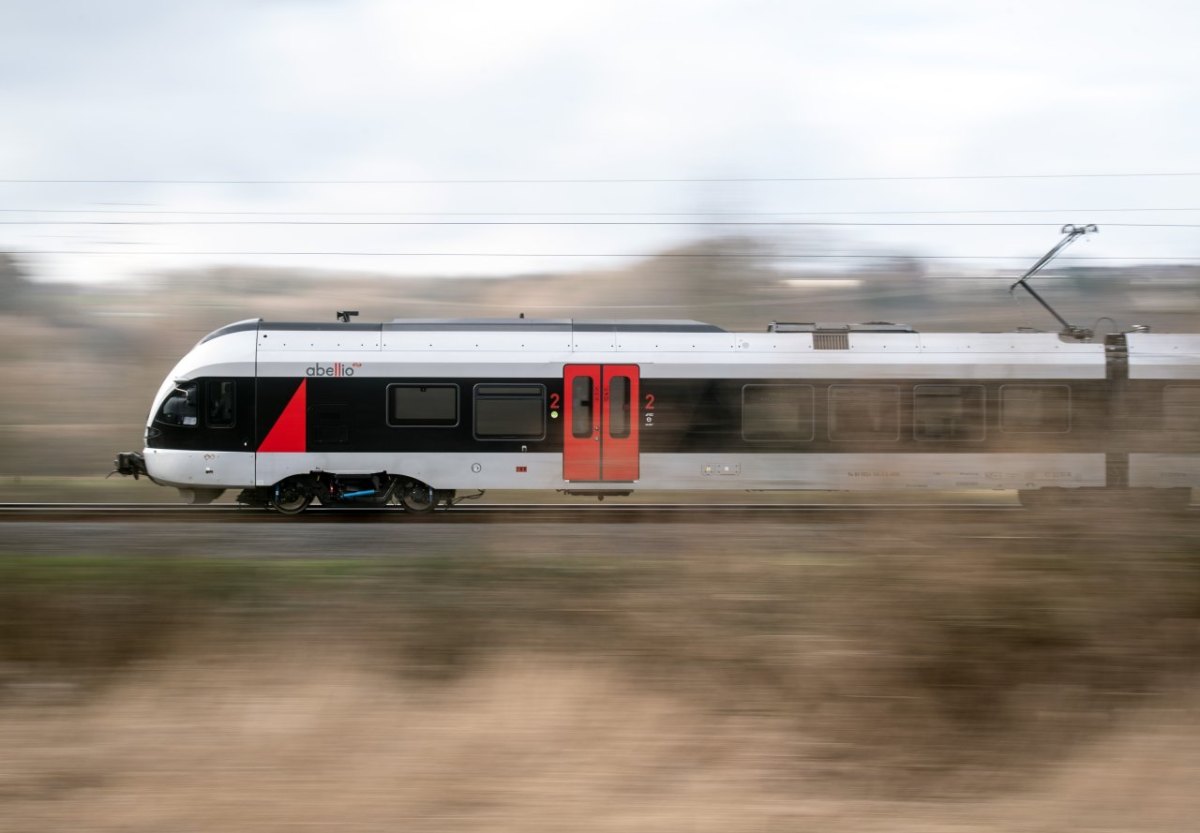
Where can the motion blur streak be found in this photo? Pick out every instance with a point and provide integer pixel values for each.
(865, 677)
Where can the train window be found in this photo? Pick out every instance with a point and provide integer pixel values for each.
(581, 407)
(220, 409)
(1035, 409)
(422, 406)
(179, 408)
(510, 412)
(864, 412)
(1181, 409)
(777, 413)
(331, 424)
(948, 412)
(618, 407)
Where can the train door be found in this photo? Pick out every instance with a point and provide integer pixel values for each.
(600, 425)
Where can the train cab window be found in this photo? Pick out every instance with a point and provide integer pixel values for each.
(948, 412)
(581, 407)
(221, 400)
(422, 406)
(1181, 410)
(179, 408)
(618, 407)
(510, 412)
(777, 413)
(1035, 409)
(864, 412)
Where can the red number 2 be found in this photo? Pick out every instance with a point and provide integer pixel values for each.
(649, 402)
(554, 399)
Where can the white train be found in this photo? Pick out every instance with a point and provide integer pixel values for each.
(419, 411)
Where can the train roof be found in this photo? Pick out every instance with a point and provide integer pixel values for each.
(543, 325)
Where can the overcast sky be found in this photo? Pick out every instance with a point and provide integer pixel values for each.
(289, 91)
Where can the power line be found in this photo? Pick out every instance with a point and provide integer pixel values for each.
(231, 213)
(696, 255)
(687, 223)
(601, 180)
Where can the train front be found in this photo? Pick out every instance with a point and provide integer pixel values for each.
(199, 434)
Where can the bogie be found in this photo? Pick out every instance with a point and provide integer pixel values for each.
(293, 496)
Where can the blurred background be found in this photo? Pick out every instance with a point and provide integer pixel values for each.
(165, 170)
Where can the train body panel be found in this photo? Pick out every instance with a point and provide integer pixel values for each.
(718, 472)
(1164, 471)
(1164, 356)
(612, 406)
(201, 469)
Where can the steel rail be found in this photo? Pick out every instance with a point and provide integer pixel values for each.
(513, 513)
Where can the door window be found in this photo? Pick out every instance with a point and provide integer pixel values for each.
(618, 408)
(581, 407)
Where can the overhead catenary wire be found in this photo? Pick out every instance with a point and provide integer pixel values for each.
(687, 223)
(389, 213)
(648, 255)
(600, 180)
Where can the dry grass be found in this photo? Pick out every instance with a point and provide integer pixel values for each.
(926, 688)
(301, 739)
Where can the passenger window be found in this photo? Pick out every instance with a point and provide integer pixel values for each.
(618, 407)
(948, 412)
(1035, 409)
(222, 401)
(581, 407)
(179, 408)
(510, 412)
(862, 412)
(777, 413)
(1181, 409)
(423, 406)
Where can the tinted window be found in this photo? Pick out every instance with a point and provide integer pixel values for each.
(777, 412)
(618, 407)
(423, 405)
(331, 424)
(179, 408)
(1035, 409)
(862, 412)
(581, 407)
(222, 401)
(948, 412)
(510, 412)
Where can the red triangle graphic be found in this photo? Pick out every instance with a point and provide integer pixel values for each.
(290, 431)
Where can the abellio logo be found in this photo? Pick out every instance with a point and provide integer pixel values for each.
(336, 370)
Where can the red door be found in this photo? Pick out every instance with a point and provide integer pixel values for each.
(600, 425)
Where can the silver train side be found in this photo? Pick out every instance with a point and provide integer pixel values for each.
(422, 412)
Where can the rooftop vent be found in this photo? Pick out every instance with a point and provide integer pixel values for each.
(831, 341)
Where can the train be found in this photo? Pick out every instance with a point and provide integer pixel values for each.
(422, 413)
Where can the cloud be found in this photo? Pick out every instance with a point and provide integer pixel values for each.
(460, 90)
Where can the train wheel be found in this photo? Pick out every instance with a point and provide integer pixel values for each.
(292, 496)
(417, 497)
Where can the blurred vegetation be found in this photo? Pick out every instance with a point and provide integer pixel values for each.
(917, 666)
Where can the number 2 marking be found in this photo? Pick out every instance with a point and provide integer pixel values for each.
(649, 402)
(554, 399)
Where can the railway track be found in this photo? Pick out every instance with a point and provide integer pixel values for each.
(490, 513)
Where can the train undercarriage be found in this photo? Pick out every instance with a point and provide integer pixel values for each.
(295, 494)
